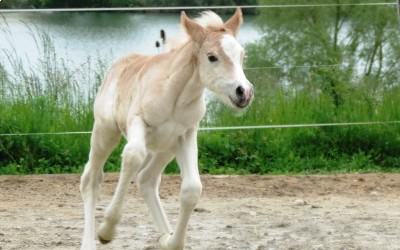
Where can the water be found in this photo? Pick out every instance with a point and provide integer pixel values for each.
(108, 35)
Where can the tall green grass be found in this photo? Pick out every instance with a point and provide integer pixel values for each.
(47, 95)
(52, 96)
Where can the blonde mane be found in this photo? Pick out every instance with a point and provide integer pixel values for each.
(207, 19)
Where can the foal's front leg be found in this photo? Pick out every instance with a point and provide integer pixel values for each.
(133, 157)
(191, 188)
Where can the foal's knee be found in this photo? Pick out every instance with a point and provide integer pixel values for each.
(190, 193)
(133, 154)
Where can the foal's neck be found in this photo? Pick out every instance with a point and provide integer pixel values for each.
(187, 68)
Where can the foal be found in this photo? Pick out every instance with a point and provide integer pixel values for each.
(156, 103)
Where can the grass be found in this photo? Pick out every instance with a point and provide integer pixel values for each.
(54, 96)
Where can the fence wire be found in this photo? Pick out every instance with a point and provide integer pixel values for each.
(227, 128)
(215, 7)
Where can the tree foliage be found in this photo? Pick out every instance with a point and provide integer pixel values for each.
(363, 40)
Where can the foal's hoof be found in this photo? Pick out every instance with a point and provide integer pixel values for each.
(105, 234)
(103, 241)
(164, 241)
(167, 244)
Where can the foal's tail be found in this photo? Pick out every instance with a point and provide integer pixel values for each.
(167, 43)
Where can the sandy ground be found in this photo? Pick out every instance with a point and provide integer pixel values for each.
(251, 212)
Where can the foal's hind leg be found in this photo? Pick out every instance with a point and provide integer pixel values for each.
(103, 141)
(133, 158)
(148, 181)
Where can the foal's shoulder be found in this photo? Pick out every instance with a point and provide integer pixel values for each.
(129, 65)
(134, 65)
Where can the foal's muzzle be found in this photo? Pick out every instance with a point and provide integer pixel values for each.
(243, 96)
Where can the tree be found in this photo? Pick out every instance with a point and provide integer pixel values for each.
(362, 39)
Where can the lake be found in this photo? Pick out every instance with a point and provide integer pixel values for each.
(77, 35)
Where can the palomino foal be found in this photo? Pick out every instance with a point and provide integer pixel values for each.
(156, 103)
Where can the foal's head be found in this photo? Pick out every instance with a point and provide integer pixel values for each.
(220, 57)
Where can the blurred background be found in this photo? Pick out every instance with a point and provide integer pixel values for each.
(314, 64)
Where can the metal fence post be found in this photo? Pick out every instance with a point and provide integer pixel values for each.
(398, 11)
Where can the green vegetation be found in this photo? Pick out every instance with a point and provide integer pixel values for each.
(364, 87)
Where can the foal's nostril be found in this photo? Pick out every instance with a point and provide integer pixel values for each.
(240, 92)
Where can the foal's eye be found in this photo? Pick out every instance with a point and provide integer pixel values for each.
(212, 58)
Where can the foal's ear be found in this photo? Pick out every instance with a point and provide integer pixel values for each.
(235, 21)
(193, 29)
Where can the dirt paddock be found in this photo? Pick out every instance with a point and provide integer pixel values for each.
(251, 212)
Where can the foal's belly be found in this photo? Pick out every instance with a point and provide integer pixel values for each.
(164, 137)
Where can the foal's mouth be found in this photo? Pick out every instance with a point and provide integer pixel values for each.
(238, 104)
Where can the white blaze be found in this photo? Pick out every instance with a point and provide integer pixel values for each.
(234, 52)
